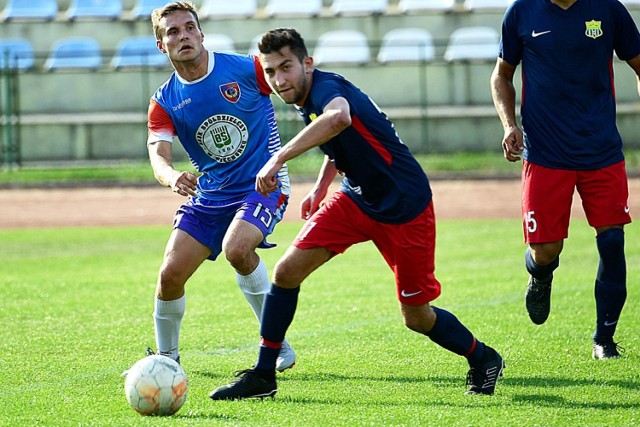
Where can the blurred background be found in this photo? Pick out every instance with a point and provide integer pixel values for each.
(76, 75)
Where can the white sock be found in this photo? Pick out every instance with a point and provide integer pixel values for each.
(167, 317)
(255, 286)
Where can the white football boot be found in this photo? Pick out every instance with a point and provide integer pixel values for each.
(286, 358)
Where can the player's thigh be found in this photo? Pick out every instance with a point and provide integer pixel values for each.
(605, 195)
(254, 220)
(297, 264)
(241, 238)
(336, 226)
(183, 255)
(409, 250)
(547, 195)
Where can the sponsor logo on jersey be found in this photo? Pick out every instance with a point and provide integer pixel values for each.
(230, 91)
(223, 137)
(181, 104)
(594, 29)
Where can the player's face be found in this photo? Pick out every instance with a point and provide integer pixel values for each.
(182, 39)
(287, 76)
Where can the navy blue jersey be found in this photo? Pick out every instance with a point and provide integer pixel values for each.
(568, 95)
(381, 175)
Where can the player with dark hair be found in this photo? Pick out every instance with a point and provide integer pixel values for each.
(385, 198)
(218, 105)
(569, 140)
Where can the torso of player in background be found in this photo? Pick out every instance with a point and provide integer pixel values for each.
(225, 122)
(568, 94)
(381, 175)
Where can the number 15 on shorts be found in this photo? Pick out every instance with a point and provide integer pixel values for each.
(532, 224)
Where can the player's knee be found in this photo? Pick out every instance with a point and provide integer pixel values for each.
(238, 256)
(419, 319)
(546, 253)
(286, 275)
(171, 280)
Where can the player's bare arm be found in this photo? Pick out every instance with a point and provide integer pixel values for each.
(504, 98)
(180, 182)
(335, 118)
(312, 201)
(634, 63)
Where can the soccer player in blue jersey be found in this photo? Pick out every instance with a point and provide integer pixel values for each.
(385, 197)
(218, 106)
(569, 140)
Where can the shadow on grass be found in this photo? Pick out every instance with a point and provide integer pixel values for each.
(538, 384)
(554, 401)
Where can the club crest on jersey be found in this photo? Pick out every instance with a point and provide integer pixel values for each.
(223, 137)
(230, 91)
(594, 29)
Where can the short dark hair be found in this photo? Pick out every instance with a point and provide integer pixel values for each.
(275, 40)
(168, 9)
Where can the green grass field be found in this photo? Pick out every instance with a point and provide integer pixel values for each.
(77, 309)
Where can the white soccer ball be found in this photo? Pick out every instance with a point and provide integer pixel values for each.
(156, 385)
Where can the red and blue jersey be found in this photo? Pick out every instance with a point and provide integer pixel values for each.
(225, 122)
(568, 95)
(381, 175)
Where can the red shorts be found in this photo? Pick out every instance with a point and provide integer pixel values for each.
(408, 248)
(547, 195)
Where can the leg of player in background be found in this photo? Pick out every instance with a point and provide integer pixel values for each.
(610, 290)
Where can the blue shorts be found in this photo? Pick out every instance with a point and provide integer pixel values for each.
(207, 221)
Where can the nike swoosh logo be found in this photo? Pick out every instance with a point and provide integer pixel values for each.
(626, 209)
(534, 34)
(606, 323)
(406, 295)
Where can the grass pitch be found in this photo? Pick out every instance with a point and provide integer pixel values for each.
(77, 304)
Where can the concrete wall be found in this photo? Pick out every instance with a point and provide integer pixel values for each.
(436, 107)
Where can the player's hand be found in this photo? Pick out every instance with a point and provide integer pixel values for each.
(311, 203)
(266, 181)
(512, 145)
(184, 183)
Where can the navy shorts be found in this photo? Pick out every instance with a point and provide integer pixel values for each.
(208, 221)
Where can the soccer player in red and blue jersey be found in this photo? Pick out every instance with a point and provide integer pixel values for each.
(569, 140)
(385, 198)
(219, 108)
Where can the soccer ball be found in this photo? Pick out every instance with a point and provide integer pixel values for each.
(156, 385)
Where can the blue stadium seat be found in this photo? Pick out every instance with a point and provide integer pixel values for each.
(32, 9)
(74, 53)
(16, 53)
(80, 9)
(143, 8)
(138, 52)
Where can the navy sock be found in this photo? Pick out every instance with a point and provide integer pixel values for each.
(277, 314)
(611, 283)
(450, 333)
(542, 273)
